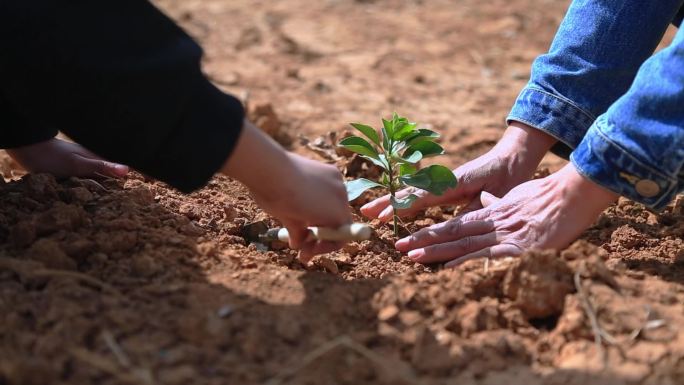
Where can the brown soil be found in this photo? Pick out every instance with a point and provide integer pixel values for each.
(130, 282)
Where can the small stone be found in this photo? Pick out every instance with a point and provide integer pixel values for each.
(430, 355)
(230, 213)
(388, 312)
(190, 211)
(647, 352)
(29, 371)
(144, 266)
(60, 217)
(192, 230)
(224, 311)
(99, 258)
(288, 329)
(387, 330)
(344, 260)
(177, 375)
(632, 372)
(79, 248)
(352, 248)
(22, 234)
(51, 255)
(410, 317)
(80, 194)
(328, 264)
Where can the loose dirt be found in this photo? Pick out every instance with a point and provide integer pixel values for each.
(130, 282)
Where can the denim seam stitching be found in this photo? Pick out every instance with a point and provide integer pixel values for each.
(632, 157)
(563, 99)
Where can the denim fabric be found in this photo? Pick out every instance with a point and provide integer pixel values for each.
(603, 95)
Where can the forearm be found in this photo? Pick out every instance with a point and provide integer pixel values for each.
(636, 148)
(18, 130)
(122, 80)
(525, 144)
(592, 61)
(257, 161)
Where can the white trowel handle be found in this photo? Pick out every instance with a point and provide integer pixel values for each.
(345, 233)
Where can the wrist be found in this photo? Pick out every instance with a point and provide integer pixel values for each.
(526, 142)
(522, 148)
(579, 188)
(258, 162)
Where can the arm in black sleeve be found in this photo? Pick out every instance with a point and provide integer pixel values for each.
(18, 131)
(121, 79)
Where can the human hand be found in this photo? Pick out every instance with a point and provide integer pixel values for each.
(64, 159)
(312, 195)
(298, 191)
(512, 161)
(546, 213)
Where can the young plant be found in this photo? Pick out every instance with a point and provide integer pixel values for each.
(397, 151)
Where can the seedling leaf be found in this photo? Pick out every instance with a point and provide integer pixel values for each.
(436, 179)
(406, 169)
(414, 158)
(426, 148)
(388, 125)
(397, 150)
(368, 131)
(357, 187)
(404, 130)
(380, 161)
(359, 145)
(420, 136)
(420, 180)
(403, 203)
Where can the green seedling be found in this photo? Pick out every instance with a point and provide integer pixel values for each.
(397, 151)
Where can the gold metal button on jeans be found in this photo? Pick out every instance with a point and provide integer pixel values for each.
(647, 188)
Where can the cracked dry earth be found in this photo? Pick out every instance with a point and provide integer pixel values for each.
(130, 282)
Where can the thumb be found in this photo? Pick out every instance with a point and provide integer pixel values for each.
(424, 200)
(298, 233)
(89, 167)
(487, 199)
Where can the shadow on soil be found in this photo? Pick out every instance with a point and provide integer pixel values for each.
(99, 284)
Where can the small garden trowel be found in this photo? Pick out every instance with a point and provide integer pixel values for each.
(262, 236)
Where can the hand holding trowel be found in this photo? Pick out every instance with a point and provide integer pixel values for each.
(259, 234)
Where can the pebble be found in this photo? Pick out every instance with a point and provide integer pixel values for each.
(388, 312)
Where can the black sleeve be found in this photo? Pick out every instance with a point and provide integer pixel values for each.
(677, 21)
(121, 79)
(18, 131)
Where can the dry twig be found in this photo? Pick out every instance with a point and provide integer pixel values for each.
(116, 349)
(647, 325)
(402, 376)
(107, 366)
(21, 268)
(599, 334)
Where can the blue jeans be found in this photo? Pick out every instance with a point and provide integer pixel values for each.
(616, 109)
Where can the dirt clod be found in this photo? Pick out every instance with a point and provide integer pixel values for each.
(538, 283)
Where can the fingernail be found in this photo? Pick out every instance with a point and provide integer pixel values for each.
(417, 253)
(385, 213)
(401, 243)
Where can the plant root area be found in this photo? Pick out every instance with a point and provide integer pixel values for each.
(130, 282)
